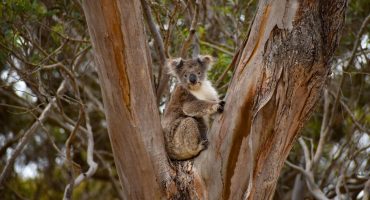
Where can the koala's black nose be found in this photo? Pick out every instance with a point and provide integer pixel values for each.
(192, 78)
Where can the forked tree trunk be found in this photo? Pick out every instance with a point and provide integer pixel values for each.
(277, 81)
(278, 78)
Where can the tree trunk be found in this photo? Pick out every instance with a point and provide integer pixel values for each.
(123, 62)
(276, 84)
(278, 78)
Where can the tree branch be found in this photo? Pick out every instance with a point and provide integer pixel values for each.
(90, 161)
(366, 191)
(158, 41)
(312, 186)
(28, 135)
(324, 129)
(218, 48)
(338, 92)
(192, 31)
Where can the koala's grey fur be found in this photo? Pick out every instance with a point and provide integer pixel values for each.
(192, 101)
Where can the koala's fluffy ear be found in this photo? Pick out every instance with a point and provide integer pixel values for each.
(206, 61)
(174, 65)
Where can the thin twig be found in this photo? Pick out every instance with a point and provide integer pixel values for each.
(307, 172)
(171, 22)
(218, 48)
(323, 130)
(231, 66)
(366, 191)
(92, 165)
(90, 161)
(350, 113)
(337, 186)
(188, 41)
(158, 41)
(236, 57)
(115, 182)
(306, 154)
(312, 186)
(10, 142)
(69, 188)
(163, 76)
(196, 47)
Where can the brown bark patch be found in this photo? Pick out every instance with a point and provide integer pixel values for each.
(113, 22)
(242, 131)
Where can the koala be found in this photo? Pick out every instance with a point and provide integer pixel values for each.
(185, 120)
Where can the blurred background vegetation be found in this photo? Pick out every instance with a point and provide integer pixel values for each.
(43, 42)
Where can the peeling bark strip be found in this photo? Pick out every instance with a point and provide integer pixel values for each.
(117, 34)
(110, 12)
(277, 82)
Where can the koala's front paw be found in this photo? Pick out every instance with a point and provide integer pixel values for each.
(221, 106)
(214, 108)
(218, 107)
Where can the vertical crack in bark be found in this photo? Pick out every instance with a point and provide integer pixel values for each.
(267, 144)
(264, 98)
(261, 33)
(222, 173)
(113, 23)
(243, 129)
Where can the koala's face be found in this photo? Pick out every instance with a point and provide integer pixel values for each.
(191, 72)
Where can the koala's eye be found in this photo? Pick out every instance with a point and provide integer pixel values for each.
(198, 73)
(185, 75)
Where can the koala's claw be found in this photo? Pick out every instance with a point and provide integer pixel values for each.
(204, 143)
(220, 110)
(221, 106)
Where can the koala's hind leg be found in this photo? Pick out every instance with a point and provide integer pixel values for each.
(187, 141)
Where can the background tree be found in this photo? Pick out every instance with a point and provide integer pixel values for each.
(46, 43)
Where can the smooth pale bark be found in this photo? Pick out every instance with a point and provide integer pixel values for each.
(276, 84)
(121, 55)
(277, 81)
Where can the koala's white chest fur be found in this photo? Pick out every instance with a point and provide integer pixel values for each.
(205, 92)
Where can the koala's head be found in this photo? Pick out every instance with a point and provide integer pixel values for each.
(191, 72)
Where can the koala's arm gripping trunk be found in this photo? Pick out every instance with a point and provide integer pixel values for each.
(199, 108)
